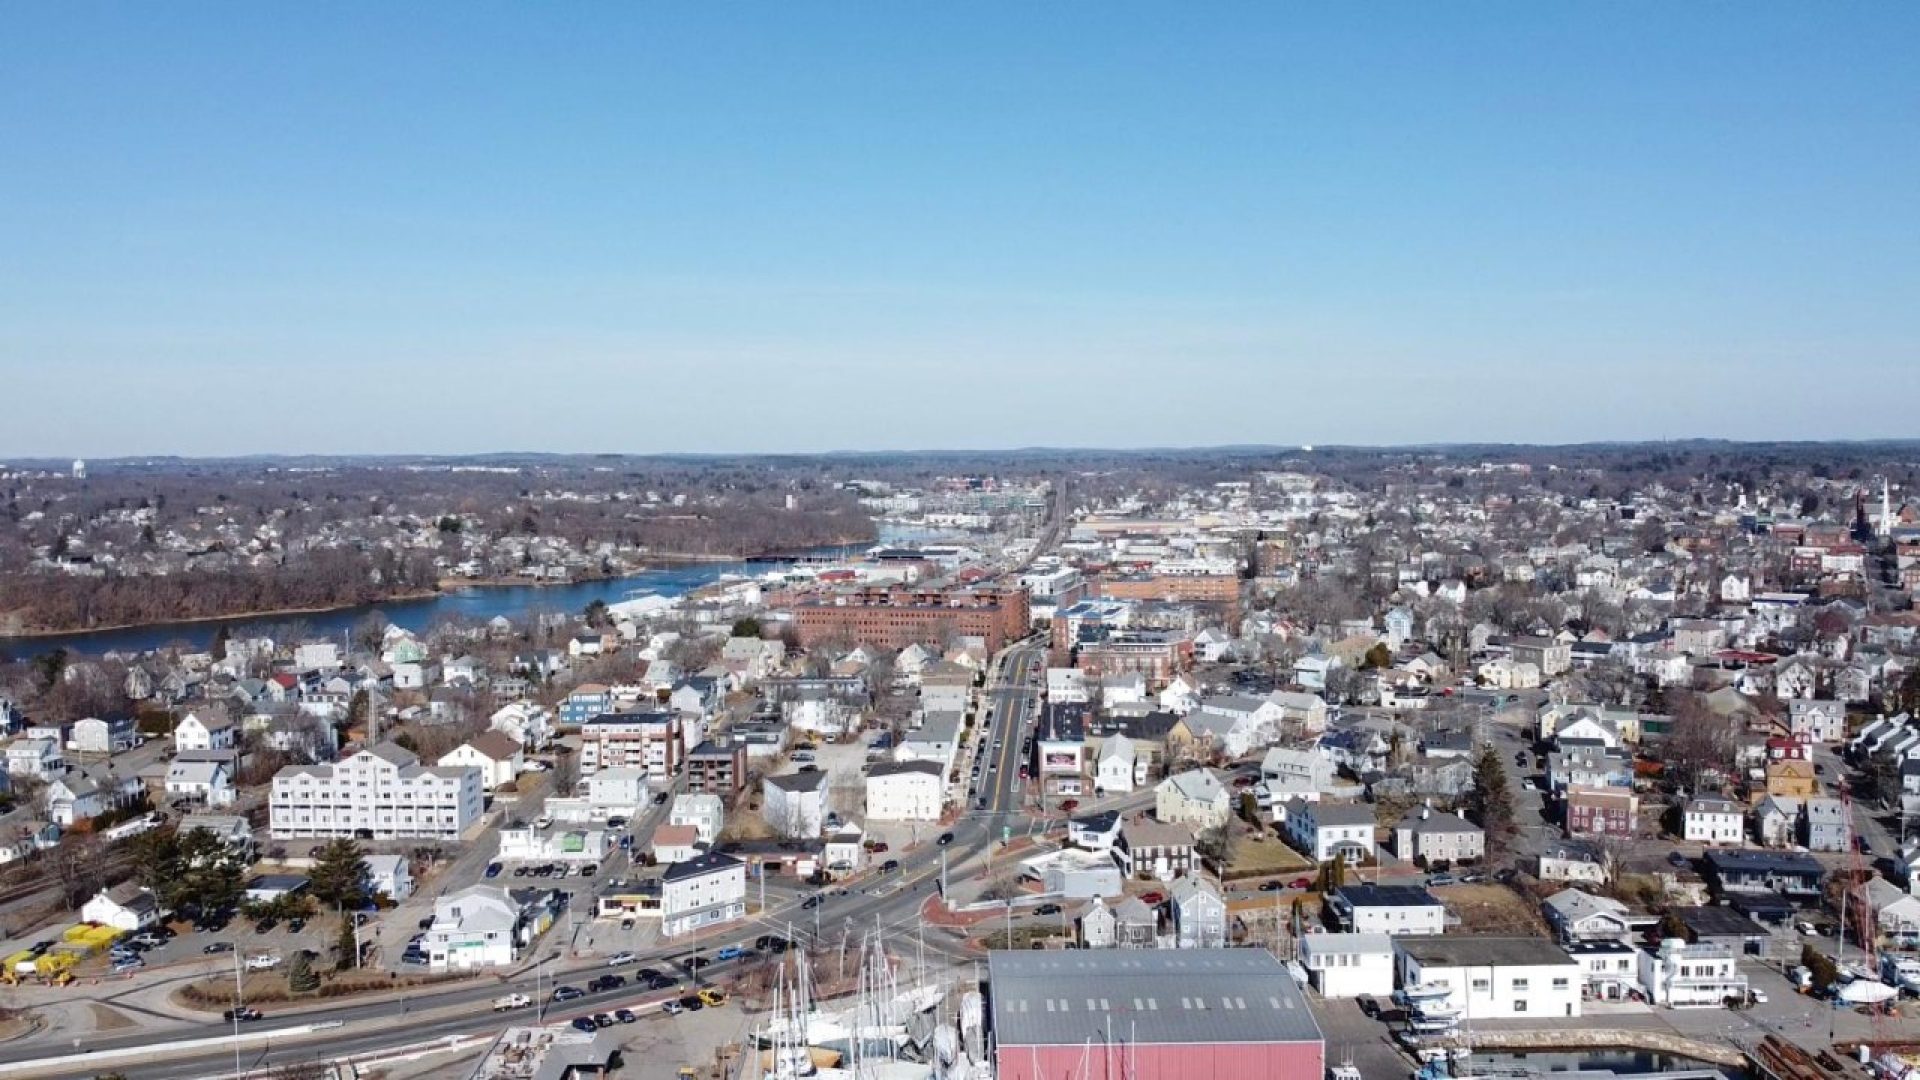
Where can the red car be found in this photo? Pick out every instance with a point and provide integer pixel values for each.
(1243, 781)
(876, 846)
(1069, 805)
(1152, 898)
(1302, 883)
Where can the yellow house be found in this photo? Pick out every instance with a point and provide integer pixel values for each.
(1792, 779)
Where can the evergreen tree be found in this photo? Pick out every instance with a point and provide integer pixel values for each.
(343, 958)
(340, 877)
(301, 978)
(1491, 801)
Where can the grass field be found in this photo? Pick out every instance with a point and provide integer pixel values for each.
(1491, 909)
(1265, 856)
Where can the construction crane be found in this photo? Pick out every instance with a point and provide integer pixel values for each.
(1854, 899)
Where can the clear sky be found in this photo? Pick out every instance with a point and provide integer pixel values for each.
(270, 227)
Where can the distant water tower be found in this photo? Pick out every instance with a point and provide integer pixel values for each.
(79, 469)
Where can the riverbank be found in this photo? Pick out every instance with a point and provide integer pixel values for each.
(476, 601)
(655, 563)
(7, 633)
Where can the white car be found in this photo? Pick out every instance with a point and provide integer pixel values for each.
(619, 958)
(1526, 785)
(1759, 996)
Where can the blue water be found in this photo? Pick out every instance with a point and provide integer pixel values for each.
(480, 603)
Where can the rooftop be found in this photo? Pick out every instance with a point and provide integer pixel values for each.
(1466, 950)
(1367, 896)
(1065, 998)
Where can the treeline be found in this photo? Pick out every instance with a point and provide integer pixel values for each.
(48, 603)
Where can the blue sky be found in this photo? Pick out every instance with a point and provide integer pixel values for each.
(449, 228)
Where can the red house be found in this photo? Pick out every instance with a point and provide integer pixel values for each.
(1596, 811)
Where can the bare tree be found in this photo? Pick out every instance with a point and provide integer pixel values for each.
(1700, 740)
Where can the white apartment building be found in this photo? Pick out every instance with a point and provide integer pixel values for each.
(702, 892)
(705, 812)
(1493, 978)
(1683, 976)
(795, 804)
(619, 791)
(649, 741)
(904, 791)
(1324, 830)
(1712, 820)
(196, 732)
(378, 793)
(479, 926)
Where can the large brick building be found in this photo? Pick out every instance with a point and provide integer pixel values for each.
(1222, 590)
(893, 618)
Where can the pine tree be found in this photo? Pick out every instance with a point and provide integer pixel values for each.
(301, 978)
(1492, 800)
(340, 877)
(343, 949)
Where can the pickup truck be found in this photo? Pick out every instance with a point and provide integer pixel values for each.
(511, 1001)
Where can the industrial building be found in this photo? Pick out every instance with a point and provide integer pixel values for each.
(1149, 1014)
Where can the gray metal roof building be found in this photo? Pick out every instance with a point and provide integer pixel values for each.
(1146, 996)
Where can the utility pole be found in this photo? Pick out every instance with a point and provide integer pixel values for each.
(239, 1002)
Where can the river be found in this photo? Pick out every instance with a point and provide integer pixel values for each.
(479, 603)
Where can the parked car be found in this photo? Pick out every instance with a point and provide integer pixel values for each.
(218, 947)
(603, 1020)
(1152, 898)
(1368, 1006)
(266, 924)
(493, 869)
(672, 1008)
(1271, 886)
(625, 1016)
(1068, 806)
(1440, 879)
(265, 962)
(583, 1024)
(243, 1013)
(620, 958)
(713, 997)
(296, 924)
(1047, 909)
(692, 1003)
